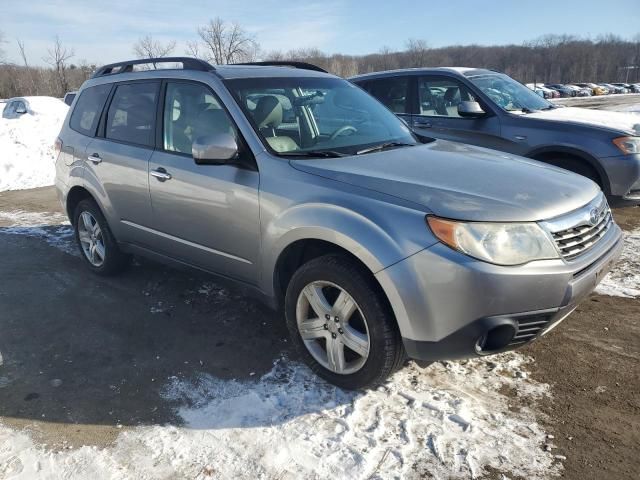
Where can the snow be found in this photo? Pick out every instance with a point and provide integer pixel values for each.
(27, 155)
(624, 279)
(53, 228)
(632, 108)
(447, 421)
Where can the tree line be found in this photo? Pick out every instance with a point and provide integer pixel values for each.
(547, 59)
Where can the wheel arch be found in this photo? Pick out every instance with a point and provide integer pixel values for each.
(542, 153)
(74, 197)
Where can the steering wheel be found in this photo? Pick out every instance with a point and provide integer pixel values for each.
(342, 130)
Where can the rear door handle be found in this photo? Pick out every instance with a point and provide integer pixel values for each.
(95, 158)
(161, 174)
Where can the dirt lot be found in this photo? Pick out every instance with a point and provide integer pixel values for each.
(112, 338)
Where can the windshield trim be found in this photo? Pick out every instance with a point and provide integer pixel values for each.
(228, 83)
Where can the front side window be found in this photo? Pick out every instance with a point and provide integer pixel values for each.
(393, 92)
(86, 113)
(132, 113)
(294, 115)
(440, 96)
(509, 94)
(191, 111)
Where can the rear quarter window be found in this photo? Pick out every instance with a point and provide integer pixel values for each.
(85, 116)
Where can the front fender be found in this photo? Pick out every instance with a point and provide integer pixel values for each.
(377, 234)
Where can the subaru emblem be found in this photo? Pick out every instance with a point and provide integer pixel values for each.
(594, 216)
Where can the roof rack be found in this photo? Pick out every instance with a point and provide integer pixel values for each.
(301, 65)
(188, 63)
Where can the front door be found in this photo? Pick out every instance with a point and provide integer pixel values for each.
(205, 215)
(437, 114)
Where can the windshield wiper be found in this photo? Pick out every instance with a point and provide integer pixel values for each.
(314, 154)
(383, 146)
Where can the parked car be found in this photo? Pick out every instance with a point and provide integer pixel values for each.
(613, 88)
(625, 87)
(563, 90)
(543, 91)
(15, 108)
(490, 109)
(68, 97)
(595, 89)
(581, 91)
(367, 236)
(635, 87)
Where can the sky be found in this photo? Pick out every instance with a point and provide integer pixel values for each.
(103, 31)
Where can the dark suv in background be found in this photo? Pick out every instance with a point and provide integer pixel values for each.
(490, 109)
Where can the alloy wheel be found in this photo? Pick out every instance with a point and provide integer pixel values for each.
(91, 240)
(333, 327)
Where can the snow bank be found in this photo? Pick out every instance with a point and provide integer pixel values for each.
(27, 155)
(624, 278)
(448, 421)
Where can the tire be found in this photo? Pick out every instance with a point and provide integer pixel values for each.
(339, 277)
(107, 258)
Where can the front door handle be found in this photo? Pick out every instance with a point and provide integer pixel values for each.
(423, 123)
(161, 174)
(95, 158)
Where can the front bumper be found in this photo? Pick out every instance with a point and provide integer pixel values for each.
(450, 306)
(624, 177)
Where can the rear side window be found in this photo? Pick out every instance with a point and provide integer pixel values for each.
(132, 114)
(392, 91)
(85, 116)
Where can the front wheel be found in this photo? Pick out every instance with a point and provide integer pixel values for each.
(341, 324)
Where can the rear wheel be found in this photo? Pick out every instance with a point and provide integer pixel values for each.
(95, 240)
(340, 323)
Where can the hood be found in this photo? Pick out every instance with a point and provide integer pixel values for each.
(623, 122)
(462, 182)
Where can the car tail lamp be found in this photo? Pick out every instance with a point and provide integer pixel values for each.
(57, 145)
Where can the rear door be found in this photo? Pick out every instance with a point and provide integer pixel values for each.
(205, 215)
(118, 158)
(437, 115)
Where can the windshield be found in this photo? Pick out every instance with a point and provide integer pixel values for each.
(311, 116)
(509, 94)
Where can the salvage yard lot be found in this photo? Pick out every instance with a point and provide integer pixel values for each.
(172, 374)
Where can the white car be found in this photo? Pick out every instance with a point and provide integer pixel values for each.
(15, 107)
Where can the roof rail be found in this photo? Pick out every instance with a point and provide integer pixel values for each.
(188, 63)
(301, 65)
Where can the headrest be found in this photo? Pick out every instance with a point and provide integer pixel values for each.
(268, 112)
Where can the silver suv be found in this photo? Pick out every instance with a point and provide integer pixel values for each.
(306, 189)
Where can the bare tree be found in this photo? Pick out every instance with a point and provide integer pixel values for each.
(225, 43)
(148, 47)
(193, 49)
(417, 51)
(57, 57)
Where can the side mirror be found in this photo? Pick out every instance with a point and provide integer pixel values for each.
(21, 110)
(470, 110)
(217, 149)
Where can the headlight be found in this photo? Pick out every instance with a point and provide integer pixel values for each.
(628, 145)
(499, 243)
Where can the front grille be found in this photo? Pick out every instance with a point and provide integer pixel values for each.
(576, 232)
(576, 240)
(528, 328)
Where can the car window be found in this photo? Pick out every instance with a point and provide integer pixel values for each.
(392, 92)
(85, 116)
(509, 94)
(132, 113)
(191, 111)
(440, 96)
(326, 115)
(19, 105)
